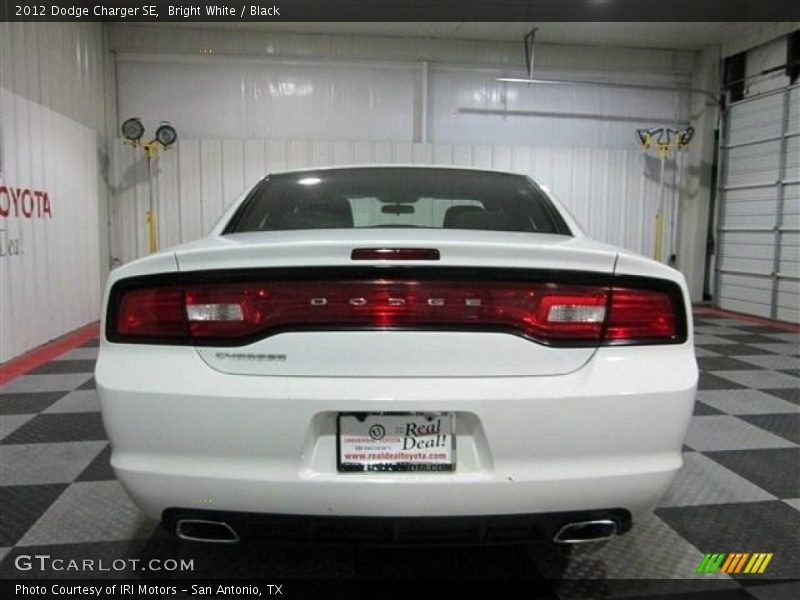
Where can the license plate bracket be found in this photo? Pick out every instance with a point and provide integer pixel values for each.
(395, 442)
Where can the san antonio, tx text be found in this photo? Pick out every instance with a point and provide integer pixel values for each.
(141, 589)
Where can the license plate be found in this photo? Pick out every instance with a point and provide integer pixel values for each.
(396, 442)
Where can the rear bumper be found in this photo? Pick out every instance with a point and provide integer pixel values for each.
(189, 437)
(502, 529)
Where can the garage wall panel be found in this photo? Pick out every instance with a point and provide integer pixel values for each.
(470, 105)
(794, 111)
(758, 266)
(212, 192)
(190, 190)
(52, 122)
(788, 293)
(612, 192)
(382, 153)
(403, 152)
(372, 100)
(343, 153)
(751, 207)
(233, 177)
(57, 65)
(389, 42)
(756, 121)
(49, 276)
(791, 208)
(244, 98)
(482, 156)
(754, 164)
(793, 157)
(167, 185)
(277, 156)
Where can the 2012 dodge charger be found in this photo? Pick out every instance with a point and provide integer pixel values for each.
(396, 354)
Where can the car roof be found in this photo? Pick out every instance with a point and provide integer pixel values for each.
(393, 166)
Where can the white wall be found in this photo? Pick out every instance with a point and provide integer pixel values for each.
(258, 97)
(52, 113)
(239, 98)
(242, 83)
(613, 192)
(251, 41)
(469, 105)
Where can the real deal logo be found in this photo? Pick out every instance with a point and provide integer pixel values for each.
(377, 431)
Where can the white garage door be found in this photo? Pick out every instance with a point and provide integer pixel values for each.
(759, 220)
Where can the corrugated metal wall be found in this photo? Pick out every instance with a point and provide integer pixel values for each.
(612, 192)
(759, 222)
(51, 110)
(58, 65)
(370, 100)
(247, 40)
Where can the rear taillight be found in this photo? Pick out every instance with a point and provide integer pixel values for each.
(154, 312)
(225, 310)
(230, 313)
(641, 314)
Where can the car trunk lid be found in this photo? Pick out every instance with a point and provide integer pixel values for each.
(410, 333)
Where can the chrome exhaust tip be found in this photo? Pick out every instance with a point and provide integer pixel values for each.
(202, 530)
(586, 531)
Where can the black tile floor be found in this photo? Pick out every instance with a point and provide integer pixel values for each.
(739, 491)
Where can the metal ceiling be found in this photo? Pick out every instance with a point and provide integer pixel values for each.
(678, 35)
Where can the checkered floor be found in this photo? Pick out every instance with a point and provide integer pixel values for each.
(739, 489)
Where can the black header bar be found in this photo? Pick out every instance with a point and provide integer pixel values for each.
(399, 10)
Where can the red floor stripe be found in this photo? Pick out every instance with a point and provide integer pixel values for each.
(709, 311)
(38, 356)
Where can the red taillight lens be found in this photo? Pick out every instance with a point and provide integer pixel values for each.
(640, 315)
(552, 313)
(152, 312)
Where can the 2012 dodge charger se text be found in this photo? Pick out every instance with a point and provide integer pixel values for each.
(398, 355)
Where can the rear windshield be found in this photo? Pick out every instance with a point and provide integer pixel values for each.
(397, 197)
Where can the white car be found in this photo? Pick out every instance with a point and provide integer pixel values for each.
(396, 355)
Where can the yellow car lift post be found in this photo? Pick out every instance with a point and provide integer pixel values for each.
(665, 139)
